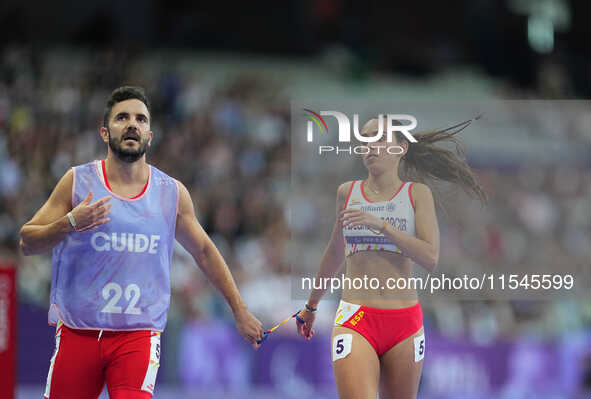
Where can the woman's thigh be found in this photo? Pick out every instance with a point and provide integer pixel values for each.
(401, 368)
(355, 364)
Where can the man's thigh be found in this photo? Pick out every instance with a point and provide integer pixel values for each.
(133, 359)
(75, 370)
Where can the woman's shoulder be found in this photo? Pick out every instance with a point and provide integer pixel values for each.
(344, 188)
(419, 191)
(418, 186)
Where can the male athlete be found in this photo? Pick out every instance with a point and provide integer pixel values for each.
(110, 288)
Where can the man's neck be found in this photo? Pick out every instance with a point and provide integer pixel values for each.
(120, 172)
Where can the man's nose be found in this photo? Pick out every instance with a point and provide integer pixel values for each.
(132, 125)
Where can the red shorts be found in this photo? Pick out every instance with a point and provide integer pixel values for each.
(383, 328)
(82, 362)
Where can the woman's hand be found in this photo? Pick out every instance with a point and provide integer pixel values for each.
(356, 217)
(305, 328)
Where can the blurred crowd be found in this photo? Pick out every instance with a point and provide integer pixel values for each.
(228, 141)
(537, 221)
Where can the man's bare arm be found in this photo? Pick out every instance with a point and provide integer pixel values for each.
(194, 239)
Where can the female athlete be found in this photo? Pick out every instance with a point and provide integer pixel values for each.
(385, 223)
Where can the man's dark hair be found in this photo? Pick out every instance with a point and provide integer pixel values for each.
(121, 94)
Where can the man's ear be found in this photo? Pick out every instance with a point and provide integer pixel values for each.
(104, 134)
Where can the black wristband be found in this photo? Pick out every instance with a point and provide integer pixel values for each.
(310, 308)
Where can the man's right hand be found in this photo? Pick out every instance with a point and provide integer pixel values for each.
(250, 327)
(89, 216)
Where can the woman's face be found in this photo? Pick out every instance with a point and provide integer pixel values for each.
(381, 155)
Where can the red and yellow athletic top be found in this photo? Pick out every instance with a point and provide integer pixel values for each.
(399, 211)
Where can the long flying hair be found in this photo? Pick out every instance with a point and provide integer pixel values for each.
(426, 162)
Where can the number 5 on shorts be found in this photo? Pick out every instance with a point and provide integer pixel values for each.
(341, 346)
(419, 347)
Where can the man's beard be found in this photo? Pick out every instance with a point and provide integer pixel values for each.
(128, 155)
